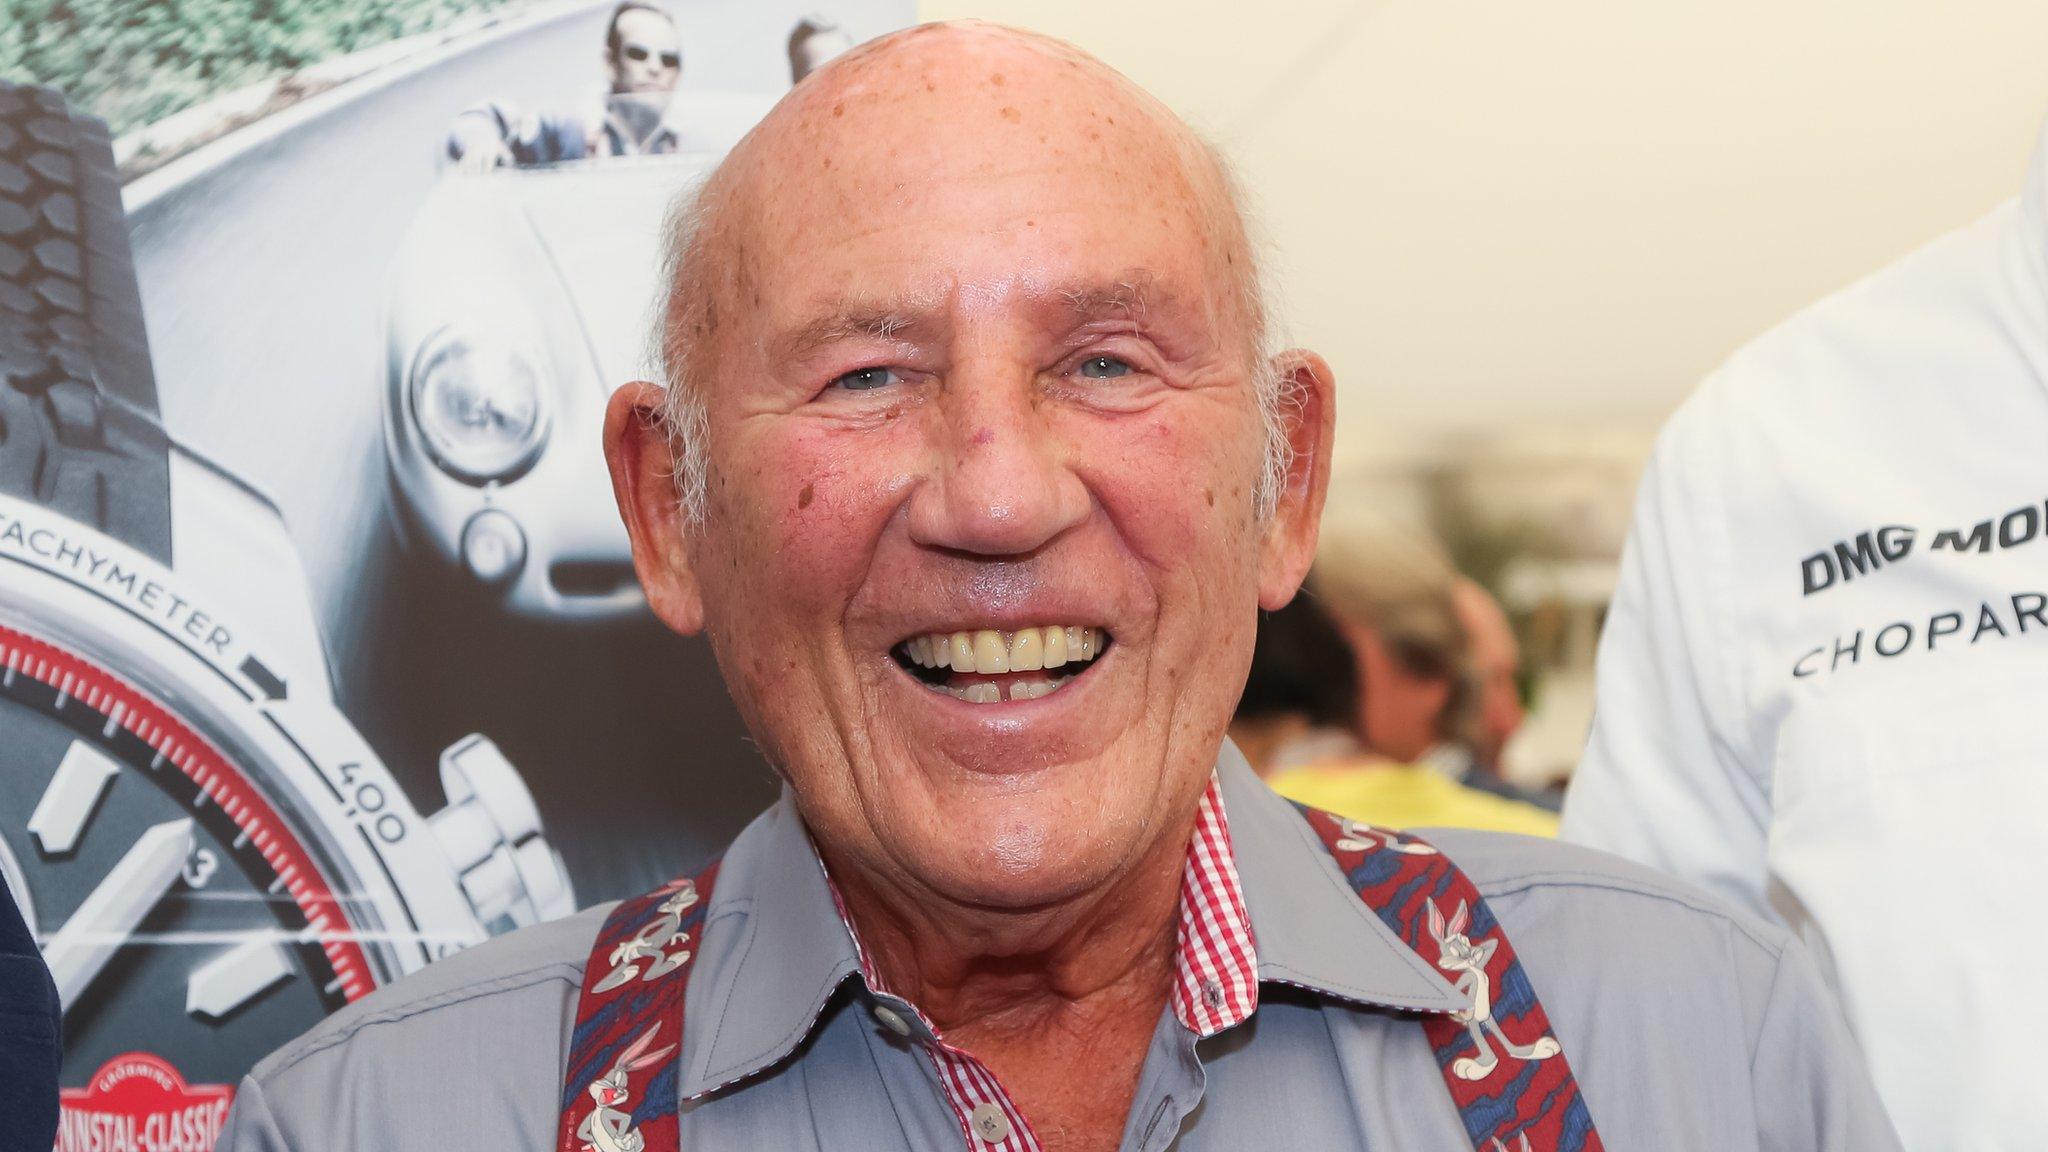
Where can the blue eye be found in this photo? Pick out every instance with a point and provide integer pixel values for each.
(1104, 368)
(865, 379)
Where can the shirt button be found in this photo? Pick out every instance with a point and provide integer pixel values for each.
(892, 1020)
(1212, 993)
(989, 1122)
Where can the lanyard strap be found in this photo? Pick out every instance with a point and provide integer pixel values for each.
(1503, 1066)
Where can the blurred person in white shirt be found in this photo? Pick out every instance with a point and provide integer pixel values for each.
(1821, 679)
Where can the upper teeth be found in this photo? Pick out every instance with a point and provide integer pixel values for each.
(989, 651)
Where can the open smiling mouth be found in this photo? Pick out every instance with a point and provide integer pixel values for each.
(989, 667)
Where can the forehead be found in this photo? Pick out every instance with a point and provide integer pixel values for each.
(963, 171)
(639, 26)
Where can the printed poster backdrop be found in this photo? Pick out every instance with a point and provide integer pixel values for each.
(393, 361)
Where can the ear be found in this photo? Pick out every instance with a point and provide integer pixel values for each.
(1308, 413)
(638, 450)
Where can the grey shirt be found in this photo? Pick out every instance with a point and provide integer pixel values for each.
(1689, 1025)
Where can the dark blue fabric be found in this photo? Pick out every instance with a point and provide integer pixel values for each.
(30, 1037)
(549, 140)
(1548, 799)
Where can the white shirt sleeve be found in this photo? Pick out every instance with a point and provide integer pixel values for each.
(1666, 779)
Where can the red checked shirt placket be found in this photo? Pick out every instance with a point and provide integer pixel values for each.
(1215, 984)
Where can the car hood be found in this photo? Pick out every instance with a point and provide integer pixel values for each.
(600, 228)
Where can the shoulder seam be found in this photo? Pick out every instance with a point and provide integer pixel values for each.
(556, 970)
(1573, 878)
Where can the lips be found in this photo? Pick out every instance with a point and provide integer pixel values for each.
(989, 665)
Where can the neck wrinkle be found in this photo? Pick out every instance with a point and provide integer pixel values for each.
(976, 969)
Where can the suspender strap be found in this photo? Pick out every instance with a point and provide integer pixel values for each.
(620, 1091)
(1504, 1068)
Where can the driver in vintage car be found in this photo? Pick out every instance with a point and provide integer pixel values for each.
(975, 466)
(643, 57)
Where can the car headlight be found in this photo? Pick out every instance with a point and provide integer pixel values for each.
(477, 404)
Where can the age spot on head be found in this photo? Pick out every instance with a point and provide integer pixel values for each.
(804, 498)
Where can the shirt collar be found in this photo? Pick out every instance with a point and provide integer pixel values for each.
(762, 978)
(772, 954)
(1312, 929)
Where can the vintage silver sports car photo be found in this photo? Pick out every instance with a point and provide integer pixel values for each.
(520, 298)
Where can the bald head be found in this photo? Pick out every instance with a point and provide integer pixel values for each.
(950, 124)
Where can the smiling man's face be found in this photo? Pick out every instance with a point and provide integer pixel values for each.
(981, 550)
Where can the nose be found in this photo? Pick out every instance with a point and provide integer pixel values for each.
(1002, 483)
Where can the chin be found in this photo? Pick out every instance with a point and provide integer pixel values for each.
(1032, 860)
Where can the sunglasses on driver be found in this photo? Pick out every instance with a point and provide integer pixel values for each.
(638, 53)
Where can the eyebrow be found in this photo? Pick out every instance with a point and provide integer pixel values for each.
(1127, 297)
(873, 322)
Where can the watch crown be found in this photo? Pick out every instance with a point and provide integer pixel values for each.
(492, 833)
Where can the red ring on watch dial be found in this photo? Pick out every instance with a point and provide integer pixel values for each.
(216, 776)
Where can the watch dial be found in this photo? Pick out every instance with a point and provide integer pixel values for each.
(181, 916)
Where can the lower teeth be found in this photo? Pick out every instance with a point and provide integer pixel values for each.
(988, 693)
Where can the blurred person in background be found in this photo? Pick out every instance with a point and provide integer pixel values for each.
(1374, 664)
(1438, 661)
(1391, 591)
(1493, 660)
(31, 1022)
(813, 41)
(1300, 701)
(1493, 673)
(1820, 682)
(643, 60)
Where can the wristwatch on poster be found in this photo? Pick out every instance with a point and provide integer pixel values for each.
(209, 853)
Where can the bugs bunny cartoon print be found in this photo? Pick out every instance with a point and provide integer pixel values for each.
(651, 945)
(609, 1127)
(1361, 837)
(1456, 953)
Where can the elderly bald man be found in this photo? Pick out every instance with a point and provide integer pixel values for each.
(975, 470)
